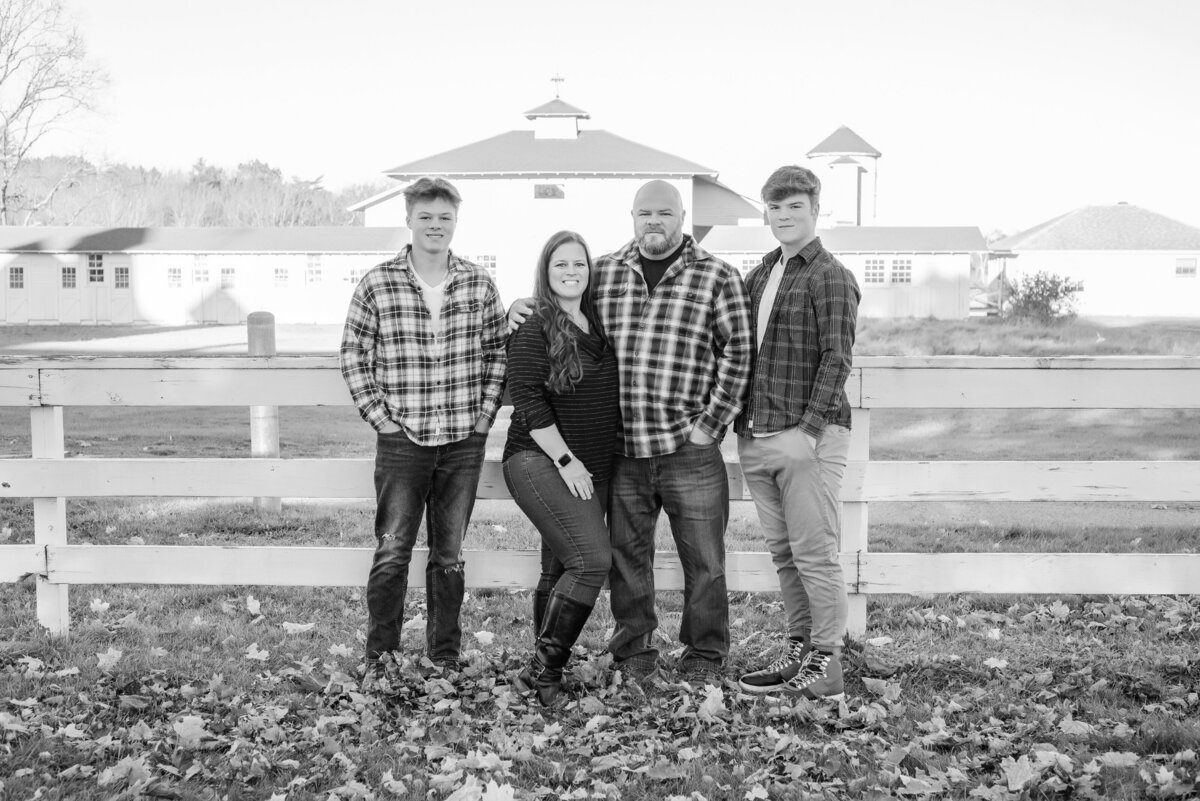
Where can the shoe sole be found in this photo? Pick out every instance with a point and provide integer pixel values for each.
(759, 689)
(814, 697)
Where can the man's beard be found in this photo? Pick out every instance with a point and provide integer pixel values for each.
(657, 243)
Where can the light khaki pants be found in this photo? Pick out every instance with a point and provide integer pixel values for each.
(796, 490)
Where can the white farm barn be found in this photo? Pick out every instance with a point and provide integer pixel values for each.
(902, 272)
(520, 187)
(1132, 262)
(179, 276)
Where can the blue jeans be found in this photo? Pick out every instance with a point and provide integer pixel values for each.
(692, 487)
(413, 481)
(576, 554)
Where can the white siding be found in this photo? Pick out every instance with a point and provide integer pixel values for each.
(1120, 283)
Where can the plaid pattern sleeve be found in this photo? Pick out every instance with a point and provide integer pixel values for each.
(358, 354)
(435, 387)
(835, 300)
(683, 351)
(804, 360)
(494, 348)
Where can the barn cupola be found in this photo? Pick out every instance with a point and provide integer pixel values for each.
(556, 120)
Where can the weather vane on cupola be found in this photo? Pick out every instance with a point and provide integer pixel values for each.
(557, 79)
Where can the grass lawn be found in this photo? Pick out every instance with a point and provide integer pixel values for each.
(230, 693)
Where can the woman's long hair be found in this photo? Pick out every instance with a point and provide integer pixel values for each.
(566, 369)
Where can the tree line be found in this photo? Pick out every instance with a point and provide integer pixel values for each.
(59, 190)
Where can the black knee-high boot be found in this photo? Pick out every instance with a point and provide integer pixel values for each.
(540, 599)
(561, 626)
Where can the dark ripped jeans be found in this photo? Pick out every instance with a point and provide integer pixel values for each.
(439, 483)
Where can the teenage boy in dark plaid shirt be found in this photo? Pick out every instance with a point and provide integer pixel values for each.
(794, 434)
(423, 355)
(679, 321)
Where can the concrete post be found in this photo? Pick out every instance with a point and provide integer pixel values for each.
(264, 420)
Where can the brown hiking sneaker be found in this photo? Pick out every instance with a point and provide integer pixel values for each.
(771, 678)
(820, 676)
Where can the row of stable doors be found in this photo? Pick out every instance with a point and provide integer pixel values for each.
(44, 300)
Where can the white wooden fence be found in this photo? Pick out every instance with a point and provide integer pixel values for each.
(47, 386)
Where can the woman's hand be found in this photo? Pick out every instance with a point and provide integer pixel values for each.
(577, 479)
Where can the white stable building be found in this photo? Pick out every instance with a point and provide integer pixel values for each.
(521, 186)
(902, 272)
(181, 276)
(1131, 261)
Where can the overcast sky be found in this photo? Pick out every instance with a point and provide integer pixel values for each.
(1000, 114)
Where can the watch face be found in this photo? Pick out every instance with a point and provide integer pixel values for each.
(564, 460)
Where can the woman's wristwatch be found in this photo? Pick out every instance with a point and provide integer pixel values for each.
(564, 460)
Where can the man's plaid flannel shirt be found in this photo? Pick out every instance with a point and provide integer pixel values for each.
(393, 365)
(801, 368)
(683, 351)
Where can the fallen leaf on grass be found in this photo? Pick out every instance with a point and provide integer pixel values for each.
(129, 769)
(879, 642)
(298, 628)
(256, 653)
(1119, 759)
(191, 730)
(485, 637)
(108, 659)
(340, 650)
(1069, 725)
(1018, 772)
(995, 663)
(252, 605)
(98, 606)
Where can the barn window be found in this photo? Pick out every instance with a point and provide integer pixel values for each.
(174, 277)
(16, 277)
(1185, 268)
(281, 277)
(121, 277)
(873, 271)
(901, 271)
(312, 270)
(200, 269)
(68, 277)
(488, 263)
(95, 268)
(228, 277)
(548, 192)
(749, 263)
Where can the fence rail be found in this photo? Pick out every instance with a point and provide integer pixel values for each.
(48, 385)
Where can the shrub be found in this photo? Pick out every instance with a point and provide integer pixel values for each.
(1043, 297)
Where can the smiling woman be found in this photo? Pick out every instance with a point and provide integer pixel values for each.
(563, 382)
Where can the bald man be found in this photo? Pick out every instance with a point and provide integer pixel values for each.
(679, 320)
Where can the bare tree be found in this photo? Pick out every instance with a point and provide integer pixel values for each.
(45, 78)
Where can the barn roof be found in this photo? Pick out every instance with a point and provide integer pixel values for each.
(556, 108)
(853, 239)
(844, 142)
(64, 239)
(1122, 226)
(518, 153)
(714, 203)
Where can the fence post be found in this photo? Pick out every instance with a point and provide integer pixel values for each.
(50, 518)
(854, 521)
(264, 420)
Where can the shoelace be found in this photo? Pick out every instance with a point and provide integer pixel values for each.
(812, 670)
(789, 656)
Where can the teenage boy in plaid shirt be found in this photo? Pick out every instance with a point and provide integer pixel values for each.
(423, 355)
(680, 324)
(794, 435)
